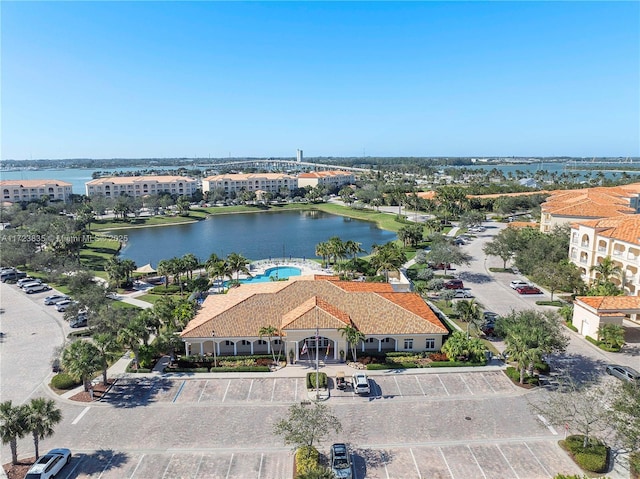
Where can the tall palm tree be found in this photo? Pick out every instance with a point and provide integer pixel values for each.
(388, 257)
(606, 269)
(42, 416)
(238, 264)
(353, 337)
(13, 426)
(270, 331)
(81, 359)
(131, 337)
(323, 250)
(128, 266)
(220, 270)
(469, 311)
(108, 349)
(353, 248)
(164, 269)
(190, 263)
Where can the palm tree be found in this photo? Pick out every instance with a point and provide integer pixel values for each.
(108, 349)
(131, 337)
(115, 271)
(388, 257)
(353, 337)
(323, 250)
(238, 264)
(270, 331)
(219, 270)
(164, 269)
(606, 269)
(81, 359)
(190, 263)
(469, 311)
(13, 426)
(42, 416)
(353, 248)
(128, 266)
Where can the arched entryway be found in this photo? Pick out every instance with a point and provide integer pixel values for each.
(323, 348)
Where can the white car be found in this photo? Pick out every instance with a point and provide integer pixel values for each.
(517, 283)
(461, 294)
(49, 465)
(361, 383)
(54, 298)
(62, 305)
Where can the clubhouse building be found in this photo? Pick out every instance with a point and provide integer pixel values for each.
(306, 309)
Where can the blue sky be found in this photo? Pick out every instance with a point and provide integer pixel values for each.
(198, 79)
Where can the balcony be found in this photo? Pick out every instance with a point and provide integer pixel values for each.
(584, 244)
(602, 249)
(617, 252)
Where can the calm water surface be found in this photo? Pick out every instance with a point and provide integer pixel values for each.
(254, 235)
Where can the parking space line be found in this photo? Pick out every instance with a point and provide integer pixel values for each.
(465, 383)
(488, 383)
(420, 385)
(443, 386)
(295, 396)
(538, 461)
(179, 391)
(507, 460)
(415, 463)
(168, 464)
(229, 469)
(544, 421)
(395, 378)
(250, 388)
(106, 466)
(260, 468)
(446, 463)
(202, 392)
(79, 416)
(198, 468)
(477, 463)
(273, 390)
(384, 463)
(137, 466)
(226, 391)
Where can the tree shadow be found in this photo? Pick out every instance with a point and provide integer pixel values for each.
(477, 278)
(581, 369)
(98, 462)
(363, 458)
(633, 350)
(136, 392)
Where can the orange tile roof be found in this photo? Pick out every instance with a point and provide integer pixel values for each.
(611, 303)
(249, 176)
(32, 183)
(324, 174)
(298, 303)
(140, 179)
(596, 202)
(624, 228)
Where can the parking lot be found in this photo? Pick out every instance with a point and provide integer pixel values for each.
(434, 386)
(524, 460)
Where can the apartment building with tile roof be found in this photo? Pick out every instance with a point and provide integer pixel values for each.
(307, 309)
(568, 206)
(330, 179)
(139, 186)
(28, 190)
(618, 238)
(236, 182)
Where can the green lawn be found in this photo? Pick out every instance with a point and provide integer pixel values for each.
(152, 298)
(108, 225)
(94, 255)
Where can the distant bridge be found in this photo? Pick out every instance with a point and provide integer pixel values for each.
(287, 163)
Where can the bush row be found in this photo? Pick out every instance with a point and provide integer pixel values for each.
(433, 364)
(238, 369)
(64, 381)
(602, 346)
(311, 380)
(514, 375)
(592, 458)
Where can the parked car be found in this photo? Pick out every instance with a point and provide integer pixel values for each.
(36, 288)
(79, 322)
(54, 298)
(360, 383)
(49, 465)
(489, 322)
(517, 283)
(341, 383)
(528, 290)
(12, 275)
(340, 461)
(623, 372)
(27, 279)
(462, 293)
(454, 284)
(63, 305)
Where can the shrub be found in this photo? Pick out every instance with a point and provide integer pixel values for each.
(311, 380)
(570, 325)
(592, 458)
(64, 381)
(512, 373)
(542, 367)
(307, 459)
(438, 357)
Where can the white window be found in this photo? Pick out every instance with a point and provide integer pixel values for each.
(431, 344)
(408, 344)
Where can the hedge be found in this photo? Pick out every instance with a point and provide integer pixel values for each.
(602, 345)
(570, 325)
(432, 364)
(239, 369)
(307, 459)
(64, 381)
(311, 380)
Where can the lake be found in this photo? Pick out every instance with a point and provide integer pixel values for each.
(253, 235)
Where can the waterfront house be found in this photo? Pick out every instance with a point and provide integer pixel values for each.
(139, 186)
(29, 190)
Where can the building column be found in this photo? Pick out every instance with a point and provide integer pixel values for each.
(187, 348)
(251, 346)
(201, 348)
(235, 348)
(297, 349)
(379, 345)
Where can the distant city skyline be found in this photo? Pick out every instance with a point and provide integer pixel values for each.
(334, 79)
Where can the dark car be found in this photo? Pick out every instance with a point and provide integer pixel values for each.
(454, 284)
(340, 461)
(12, 276)
(623, 372)
(528, 290)
(79, 322)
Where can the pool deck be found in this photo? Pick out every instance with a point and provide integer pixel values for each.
(305, 266)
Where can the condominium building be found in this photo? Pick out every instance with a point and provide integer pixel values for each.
(326, 178)
(617, 237)
(568, 206)
(138, 186)
(28, 190)
(271, 182)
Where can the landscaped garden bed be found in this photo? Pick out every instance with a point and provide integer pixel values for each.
(196, 364)
(593, 458)
(405, 360)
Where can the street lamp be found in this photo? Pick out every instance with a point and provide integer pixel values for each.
(215, 359)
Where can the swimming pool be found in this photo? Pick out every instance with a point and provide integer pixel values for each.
(277, 272)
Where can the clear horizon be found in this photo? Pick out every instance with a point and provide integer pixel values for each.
(136, 80)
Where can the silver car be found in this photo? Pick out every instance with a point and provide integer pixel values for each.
(623, 372)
